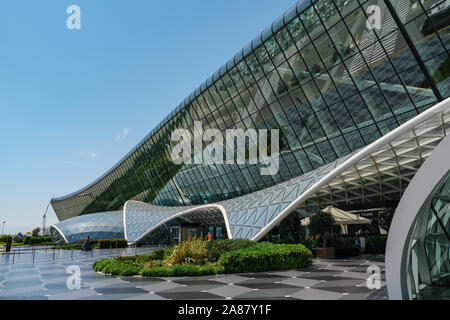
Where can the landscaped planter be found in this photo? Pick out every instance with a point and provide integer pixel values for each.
(325, 253)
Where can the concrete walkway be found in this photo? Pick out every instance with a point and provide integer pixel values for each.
(46, 279)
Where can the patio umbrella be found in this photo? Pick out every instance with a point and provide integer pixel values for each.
(342, 218)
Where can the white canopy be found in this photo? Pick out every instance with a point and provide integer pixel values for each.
(341, 217)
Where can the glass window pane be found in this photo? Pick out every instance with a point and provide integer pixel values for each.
(274, 51)
(439, 68)
(264, 60)
(312, 23)
(285, 42)
(298, 67)
(426, 41)
(298, 33)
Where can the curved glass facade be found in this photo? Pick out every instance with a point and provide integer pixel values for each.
(106, 225)
(429, 250)
(323, 74)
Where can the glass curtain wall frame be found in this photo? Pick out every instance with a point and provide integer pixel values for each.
(357, 85)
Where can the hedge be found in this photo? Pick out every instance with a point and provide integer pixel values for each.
(265, 257)
(112, 243)
(75, 246)
(40, 240)
(216, 248)
(142, 258)
(116, 267)
(179, 270)
(106, 244)
(376, 244)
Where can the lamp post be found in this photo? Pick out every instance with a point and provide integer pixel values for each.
(3, 227)
(44, 217)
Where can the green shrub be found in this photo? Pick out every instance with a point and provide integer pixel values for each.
(112, 243)
(35, 232)
(5, 237)
(342, 243)
(161, 254)
(147, 257)
(157, 272)
(116, 267)
(310, 243)
(178, 271)
(186, 253)
(41, 240)
(376, 244)
(157, 263)
(140, 258)
(66, 246)
(216, 247)
(254, 258)
(265, 257)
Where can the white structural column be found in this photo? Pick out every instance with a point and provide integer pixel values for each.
(415, 200)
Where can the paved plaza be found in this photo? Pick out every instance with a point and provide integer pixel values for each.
(45, 279)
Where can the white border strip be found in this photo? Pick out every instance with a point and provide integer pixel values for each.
(60, 232)
(192, 210)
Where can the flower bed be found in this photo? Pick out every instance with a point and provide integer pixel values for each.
(197, 257)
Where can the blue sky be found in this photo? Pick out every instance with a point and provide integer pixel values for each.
(73, 102)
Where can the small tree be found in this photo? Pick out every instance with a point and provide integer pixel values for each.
(35, 232)
(290, 229)
(4, 237)
(385, 218)
(321, 224)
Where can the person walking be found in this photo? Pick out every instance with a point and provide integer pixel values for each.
(86, 245)
(362, 243)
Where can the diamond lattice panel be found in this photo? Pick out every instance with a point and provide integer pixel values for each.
(382, 173)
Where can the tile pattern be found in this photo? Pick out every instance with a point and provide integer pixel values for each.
(45, 279)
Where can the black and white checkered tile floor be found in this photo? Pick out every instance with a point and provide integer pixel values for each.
(45, 279)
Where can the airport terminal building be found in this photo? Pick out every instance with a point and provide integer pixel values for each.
(359, 93)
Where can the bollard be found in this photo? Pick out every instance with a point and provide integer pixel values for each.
(14, 255)
(53, 255)
(71, 253)
(33, 253)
